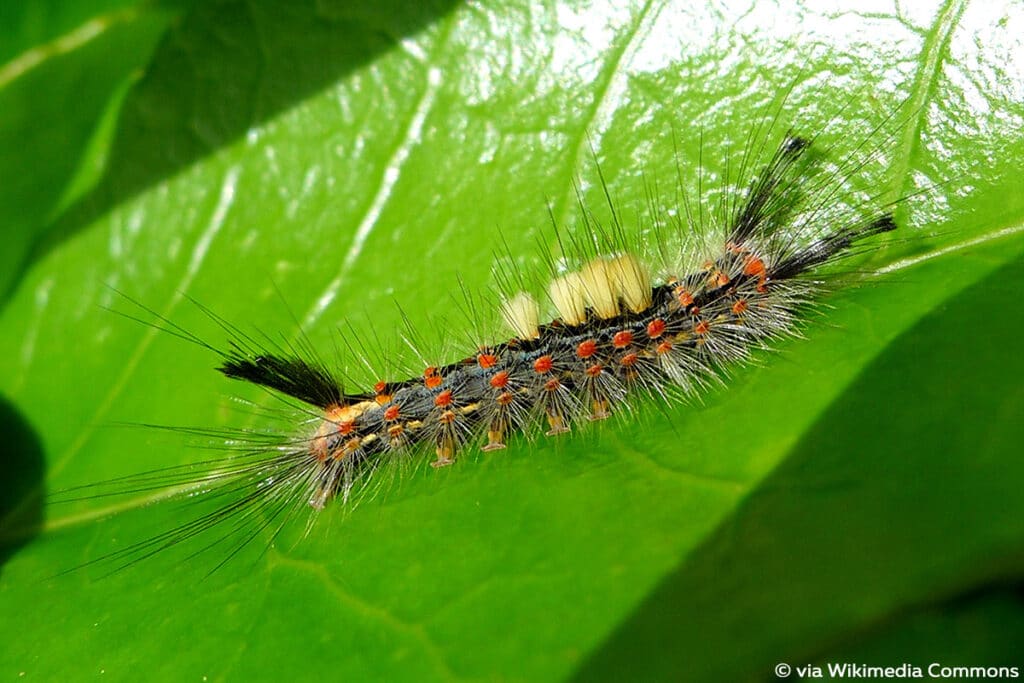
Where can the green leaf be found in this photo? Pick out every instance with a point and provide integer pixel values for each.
(350, 157)
(64, 68)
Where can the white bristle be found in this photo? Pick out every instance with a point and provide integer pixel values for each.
(599, 288)
(567, 294)
(633, 282)
(522, 315)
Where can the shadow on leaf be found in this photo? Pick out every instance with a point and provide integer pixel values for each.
(227, 67)
(21, 496)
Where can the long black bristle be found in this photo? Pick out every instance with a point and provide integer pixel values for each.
(292, 376)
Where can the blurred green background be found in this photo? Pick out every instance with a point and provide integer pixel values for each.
(854, 496)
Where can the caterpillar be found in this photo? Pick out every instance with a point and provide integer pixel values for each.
(604, 332)
(615, 334)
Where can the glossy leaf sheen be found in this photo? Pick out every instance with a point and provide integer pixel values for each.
(851, 479)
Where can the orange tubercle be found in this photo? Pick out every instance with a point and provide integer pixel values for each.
(586, 349)
(432, 378)
(753, 266)
(683, 297)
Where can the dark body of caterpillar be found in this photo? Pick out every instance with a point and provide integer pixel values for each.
(616, 334)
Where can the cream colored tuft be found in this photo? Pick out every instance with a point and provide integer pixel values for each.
(599, 288)
(522, 315)
(567, 293)
(632, 280)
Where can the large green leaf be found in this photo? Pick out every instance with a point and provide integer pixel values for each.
(349, 157)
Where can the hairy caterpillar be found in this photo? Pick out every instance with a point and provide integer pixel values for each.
(615, 334)
(618, 328)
